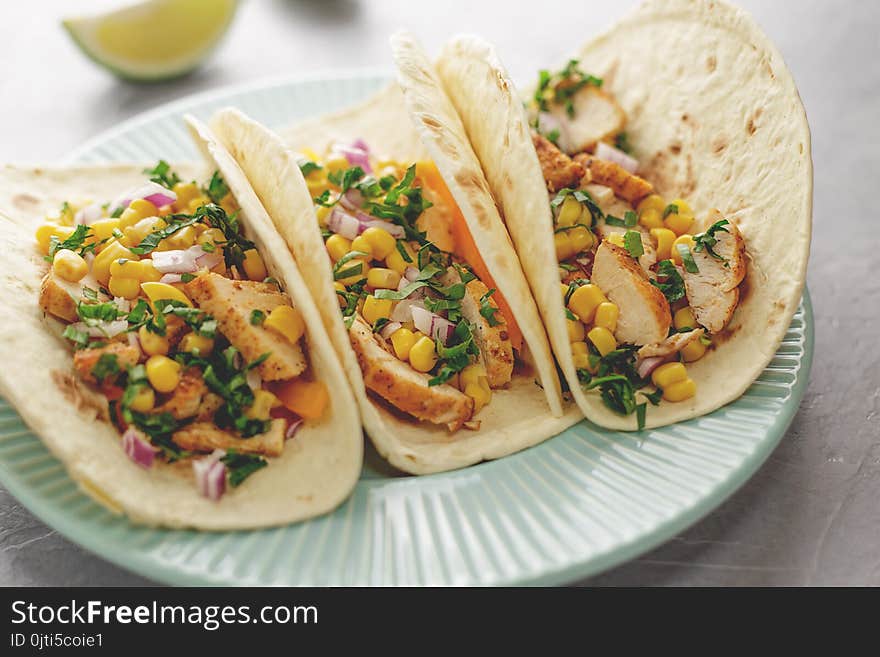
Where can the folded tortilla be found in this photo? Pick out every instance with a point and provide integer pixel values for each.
(408, 121)
(319, 466)
(715, 117)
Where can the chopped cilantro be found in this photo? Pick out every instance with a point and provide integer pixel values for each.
(217, 188)
(632, 242)
(672, 208)
(687, 258)
(76, 242)
(79, 338)
(487, 310)
(151, 241)
(163, 175)
(707, 239)
(106, 367)
(257, 317)
(560, 88)
(307, 167)
(672, 284)
(241, 466)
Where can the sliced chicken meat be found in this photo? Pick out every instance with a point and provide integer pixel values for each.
(206, 437)
(58, 297)
(649, 258)
(493, 341)
(671, 345)
(559, 170)
(644, 312)
(403, 387)
(186, 399)
(84, 360)
(597, 116)
(713, 291)
(231, 303)
(626, 185)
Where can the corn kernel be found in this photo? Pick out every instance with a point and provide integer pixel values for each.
(183, 239)
(381, 242)
(339, 287)
(581, 238)
(196, 203)
(163, 373)
(569, 212)
(263, 403)
(422, 355)
(102, 229)
(125, 268)
(678, 223)
(112, 251)
(564, 247)
(669, 373)
(357, 275)
(397, 262)
(148, 272)
(253, 265)
(472, 374)
(684, 318)
(581, 361)
(688, 241)
(211, 236)
(153, 343)
(69, 265)
(193, 343)
(375, 308)
(337, 246)
(664, 238)
(692, 351)
(606, 315)
(616, 239)
(380, 278)
(682, 205)
(286, 321)
(336, 164)
(602, 339)
(651, 202)
(138, 231)
(144, 400)
(402, 340)
(45, 232)
(321, 212)
(651, 219)
(481, 395)
(575, 330)
(127, 288)
(360, 243)
(159, 291)
(143, 207)
(229, 204)
(185, 192)
(584, 301)
(579, 348)
(680, 390)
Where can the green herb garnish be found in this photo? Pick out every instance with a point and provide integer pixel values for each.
(257, 317)
(163, 175)
(672, 286)
(632, 242)
(687, 258)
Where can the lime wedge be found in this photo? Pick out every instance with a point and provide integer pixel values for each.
(153, 40)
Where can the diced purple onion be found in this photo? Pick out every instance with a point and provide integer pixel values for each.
(180, 261)
(134, 341)
(89, 214)
(648, 365)
(357, 153)
(293, 427)
(352, 200)
(394, 230)
(436, 327)
(150, 191)
(137, 448)
(410, 274)
(103, 329)
(210, 473)
(402, 311)
(389, 329)
(607, 152)
(171, 279)
(342, 223)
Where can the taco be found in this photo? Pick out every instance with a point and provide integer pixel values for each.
(659, 199)
(160, 341)
(401, 245)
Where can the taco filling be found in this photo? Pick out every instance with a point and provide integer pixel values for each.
(645, 284)
(432, 336)
(179, 337)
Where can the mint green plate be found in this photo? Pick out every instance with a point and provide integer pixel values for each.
(575, 505)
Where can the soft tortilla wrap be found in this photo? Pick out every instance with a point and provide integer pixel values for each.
(317, 469)
(715, 119)
(519, 416)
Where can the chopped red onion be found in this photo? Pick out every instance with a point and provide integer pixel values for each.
(293, 427)
(254, 380)
(389, 329)
(342, 223)
(137, 447)
(134, 341)
(397, 232)
(210, 473)
(352, 199)
(91, 213)
(179, 261)
(648, 365)
(150, 191)
(171, 279)
(402, 311)
(607, 152)
(357, 154)
(100, 329)
(437, 327)
(207, 260)
(410, 274)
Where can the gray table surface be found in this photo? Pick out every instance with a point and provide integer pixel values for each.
(810, 515)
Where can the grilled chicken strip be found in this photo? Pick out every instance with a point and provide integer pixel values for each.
(84, 360)
(713, 292)
(626, 185)
(649, 258)
(644, 312)
(58, 297)
(186, 399)
(206, 437)
(403, 387)
(671, 345)
(597, 117)
(231, 302)
(493, 341)
(560, 171)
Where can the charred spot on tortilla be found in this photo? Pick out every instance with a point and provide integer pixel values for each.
(24, 201)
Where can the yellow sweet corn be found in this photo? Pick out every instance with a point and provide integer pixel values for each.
(125, 268)
(358, 275)
(197, 202)
(579, 348)
(651, 219)
(211, 236)
(148, 272)
(69, 265)
(473, 374)
(264, 401)
(381, 278)
(153, 344)
(286, 321)
(361, 243)
(193, 343)
(229, 204)
(144, 400)
(397, 262)
(381, 242)
(569, 212)
(564, 247)
(402, 340)
(688, 241)
(253, 265)
(102, 229)
(374, 308)
(336, 164)
(113, 250)
(651, 202)
(186, 192)
(684, 318)
(683, 207)
(45, 232)
(584, 301)
(581, 238)
(481, 394)
(563, 288)
(606, 315)
(158, 291)
(183, 239)
(337, 246)
(127, 288)
(664, 239)
(136, 210)
(422, 355)
(678, 223)
(667, 374)
(136, 232)
(575, 330)
(680, 390)
(163, 373)
(602, 339)
(693, 351)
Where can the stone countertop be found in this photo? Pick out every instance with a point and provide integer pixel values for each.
(809, 516)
